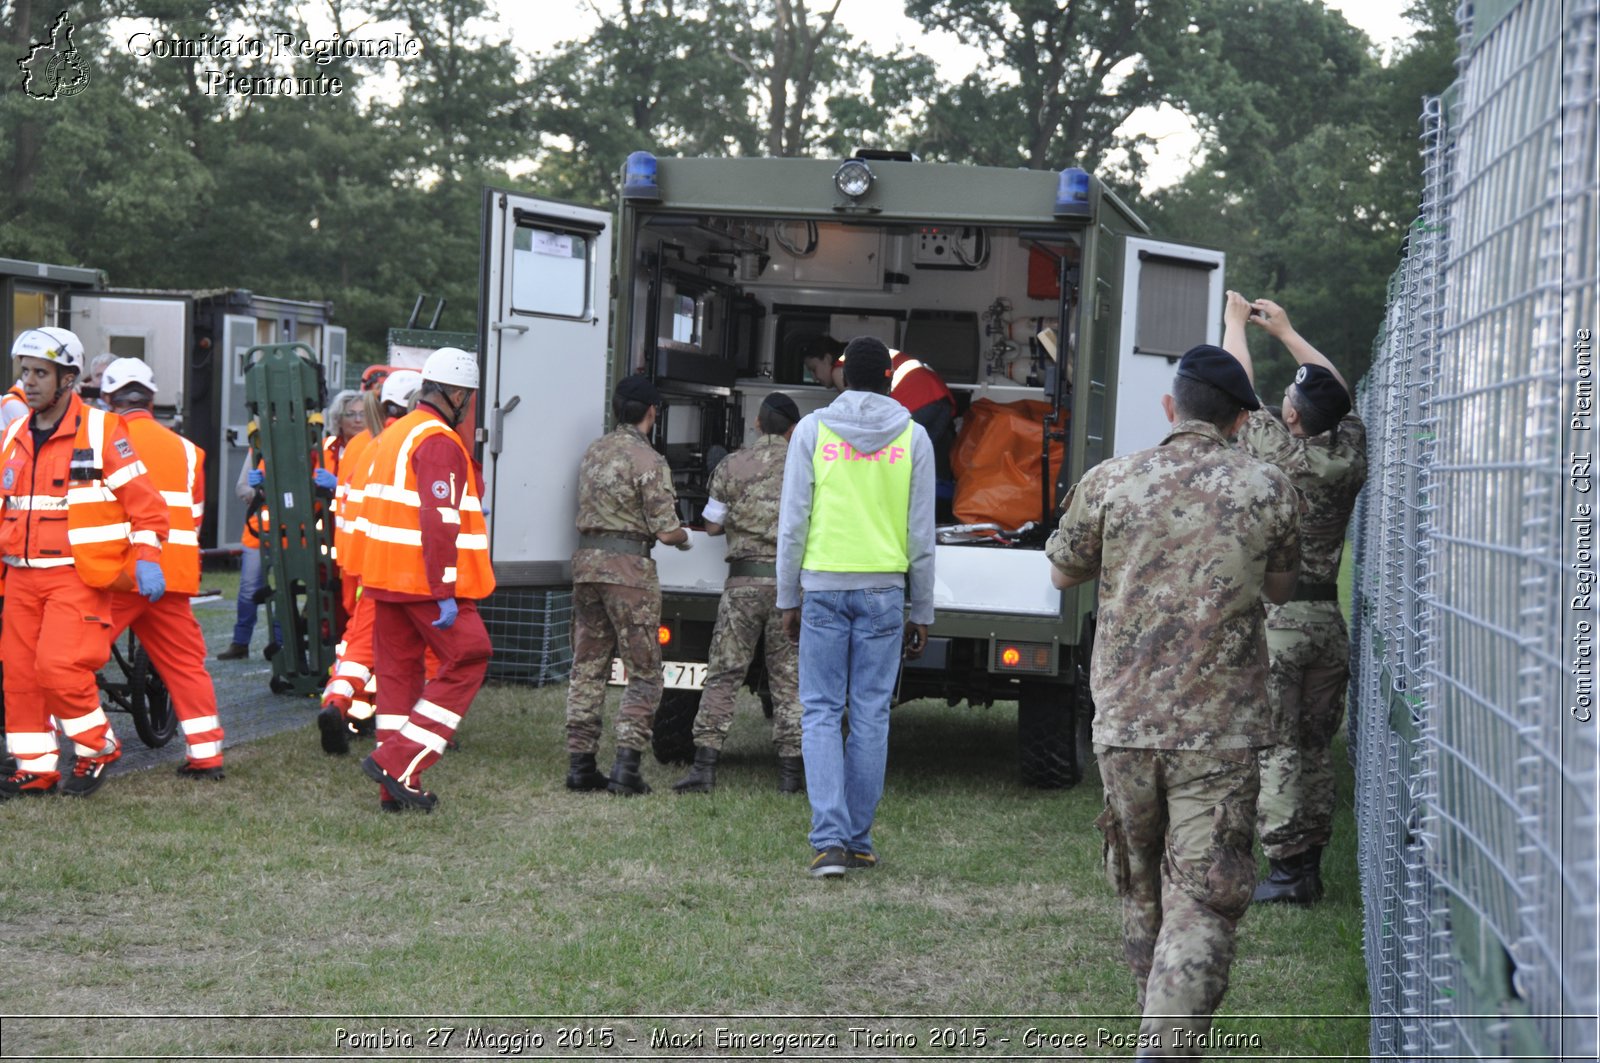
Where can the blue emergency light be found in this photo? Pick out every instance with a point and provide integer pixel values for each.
(639, 177)
(1072, 192)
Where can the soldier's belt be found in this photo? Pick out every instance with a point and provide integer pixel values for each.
(752, 568)
(1316, 592)
(616, 544)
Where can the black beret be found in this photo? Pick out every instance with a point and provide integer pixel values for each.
(783, 404)
(1212, 365)
(636, 388)
(867, 363)
(1322, 391)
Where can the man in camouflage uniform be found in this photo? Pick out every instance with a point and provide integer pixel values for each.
(626, 504)
(1322, 447)
(745, 491)
(1185, 538)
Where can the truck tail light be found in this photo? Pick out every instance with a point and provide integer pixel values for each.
(664, 635)
(1037, 658)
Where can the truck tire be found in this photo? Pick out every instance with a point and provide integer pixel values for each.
(672, 737)
(1052, 749)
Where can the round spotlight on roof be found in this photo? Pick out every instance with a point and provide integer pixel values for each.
(853, 179)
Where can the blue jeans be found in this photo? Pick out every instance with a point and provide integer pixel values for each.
(849, 655)
(251, 579)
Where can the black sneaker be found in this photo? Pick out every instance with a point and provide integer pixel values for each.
(27, 784)
(335, 732)
(405, 796)
(88, 774)
(858, 861)
(190, 770)
(828, 862)
(235, 652)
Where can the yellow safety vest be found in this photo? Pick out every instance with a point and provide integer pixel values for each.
(859, 504)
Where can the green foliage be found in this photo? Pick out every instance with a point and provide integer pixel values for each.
(1307, 177)
(1061, 78)
(1310, 173)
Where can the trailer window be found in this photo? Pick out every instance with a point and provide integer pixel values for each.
(1174, 301)
(550, 272)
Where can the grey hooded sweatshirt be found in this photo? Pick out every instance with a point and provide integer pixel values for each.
(868, 422)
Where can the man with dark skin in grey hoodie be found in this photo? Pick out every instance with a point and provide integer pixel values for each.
(856, 534)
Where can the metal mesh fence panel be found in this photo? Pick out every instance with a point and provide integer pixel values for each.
(1477, 803)
(531, 630)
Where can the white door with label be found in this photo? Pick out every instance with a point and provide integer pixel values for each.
(545, 307)
(1172, 300)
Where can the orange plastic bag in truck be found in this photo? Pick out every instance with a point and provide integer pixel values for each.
(996, 463)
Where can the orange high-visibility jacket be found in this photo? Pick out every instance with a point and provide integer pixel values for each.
(391, 512)
(83, 499)
(177, 468)
(350, 530)
(344, 462)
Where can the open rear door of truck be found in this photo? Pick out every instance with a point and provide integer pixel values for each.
(1171, 301)
(544, 309)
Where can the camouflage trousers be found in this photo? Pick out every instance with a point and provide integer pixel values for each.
(609, 619)
(1178, 828)
(1310, 668)
(745, 613)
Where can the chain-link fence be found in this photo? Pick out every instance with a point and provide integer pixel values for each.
(1476, 762)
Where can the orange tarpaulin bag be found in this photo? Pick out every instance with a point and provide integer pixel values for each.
(996, 462)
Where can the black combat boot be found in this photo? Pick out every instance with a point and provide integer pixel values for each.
(1313, 870)
(582, 775)
(703, 776)
(791, 775)
(625, 777)
(1292, 880)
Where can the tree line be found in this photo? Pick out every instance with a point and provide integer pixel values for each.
(1307, 172)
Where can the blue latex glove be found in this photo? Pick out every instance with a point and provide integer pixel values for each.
(152, 584)
(325, 479)
(447, 612)
(257, 478)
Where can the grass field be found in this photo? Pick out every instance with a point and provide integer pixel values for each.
(283, 892)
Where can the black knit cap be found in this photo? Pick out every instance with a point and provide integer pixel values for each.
(1212, 365)
(1322, 391)
(783, 404)
(867, 364)
(636, 388)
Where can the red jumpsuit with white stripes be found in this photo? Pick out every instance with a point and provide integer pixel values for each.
(418, 716)
(167, 628)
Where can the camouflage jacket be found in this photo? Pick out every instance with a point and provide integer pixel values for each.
(624, 490)
(1180, 536)
(749, 482)
(1328, 471)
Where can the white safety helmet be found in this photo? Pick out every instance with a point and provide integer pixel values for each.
(125, 371)
(401, 386)
(52, 344)
(452, 367)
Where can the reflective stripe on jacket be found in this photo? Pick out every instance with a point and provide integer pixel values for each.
(395, 557)
(87, 468)
(915, 384)
(345, 463)
(177, 469)
(858, 506)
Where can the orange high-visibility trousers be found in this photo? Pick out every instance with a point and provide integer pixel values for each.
(172, 637)
(351, 687)
(56, 636)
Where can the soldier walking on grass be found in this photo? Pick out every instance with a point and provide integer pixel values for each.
(1322, 447)
(626, 504)
(1184, 538)
(745, 492)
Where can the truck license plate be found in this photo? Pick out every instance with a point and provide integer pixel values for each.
(677, 675)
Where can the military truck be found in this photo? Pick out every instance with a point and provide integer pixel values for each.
(1026, 290)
